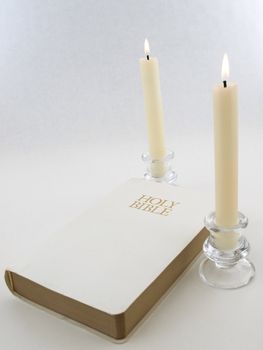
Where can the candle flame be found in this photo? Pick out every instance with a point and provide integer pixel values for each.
(225, 68)
(146, 47)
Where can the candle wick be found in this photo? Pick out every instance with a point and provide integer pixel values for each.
(224, 83)
(148, 57)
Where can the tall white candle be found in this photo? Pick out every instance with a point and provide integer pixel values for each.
(149, 68)
(226, 154)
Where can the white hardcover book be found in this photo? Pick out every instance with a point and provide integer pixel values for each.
(109, 266)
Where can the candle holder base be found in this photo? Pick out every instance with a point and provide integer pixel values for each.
(225, 265)
(160, 170)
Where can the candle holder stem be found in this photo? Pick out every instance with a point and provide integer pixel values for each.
(160, 170)
(226, 249)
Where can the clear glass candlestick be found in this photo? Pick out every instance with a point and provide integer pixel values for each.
(160, 170)
(226, 249)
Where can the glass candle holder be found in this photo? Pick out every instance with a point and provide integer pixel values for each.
(226, 249)
(160, 170)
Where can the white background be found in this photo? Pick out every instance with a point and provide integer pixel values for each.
(73, 127)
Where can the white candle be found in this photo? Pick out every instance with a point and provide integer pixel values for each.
(226, 155)
(149, 67)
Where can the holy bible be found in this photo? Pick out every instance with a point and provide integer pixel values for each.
(108, 267)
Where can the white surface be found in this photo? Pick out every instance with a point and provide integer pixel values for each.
(111, 253)
(72, 128)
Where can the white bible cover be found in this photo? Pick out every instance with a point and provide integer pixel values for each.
(109, 266)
